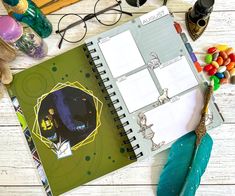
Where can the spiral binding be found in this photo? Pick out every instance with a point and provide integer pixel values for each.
(105, 88)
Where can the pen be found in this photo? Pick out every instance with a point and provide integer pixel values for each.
(201, 128)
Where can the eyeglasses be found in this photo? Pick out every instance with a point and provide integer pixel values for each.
(76, 31)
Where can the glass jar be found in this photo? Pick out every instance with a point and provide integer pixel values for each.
(22, 37)
(27, 12)
(31, 43)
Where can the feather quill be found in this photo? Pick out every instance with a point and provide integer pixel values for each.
(188, 159)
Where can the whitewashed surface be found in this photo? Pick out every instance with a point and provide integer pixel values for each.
(18, 175)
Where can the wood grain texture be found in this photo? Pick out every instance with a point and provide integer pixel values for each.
(18, 175)
(140, 190)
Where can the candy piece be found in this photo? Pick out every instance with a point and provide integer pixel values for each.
(216, 80)
(219, 75)
(208, 58)
(198, 66)
(215, 56)
(222, 47)
(215, 64)
(224, 81)
(223, 55)
(232, 57)
(208, 67)
(232, 80)
(211, 50)
(216, 86)
(227, 61)
(227, 74)
(212, 71)
(193, 57)
(230, 66)
(222, 69)
(220, 60)
(229, 51)
(232, 72)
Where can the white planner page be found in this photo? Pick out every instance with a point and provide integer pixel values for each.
(173, 120)
(176, 77)
(121, 53)
(138, 90)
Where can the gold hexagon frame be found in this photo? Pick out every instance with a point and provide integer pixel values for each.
(77, 85)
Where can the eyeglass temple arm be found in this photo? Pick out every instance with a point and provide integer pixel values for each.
(61, 40)
(89, 16)
(124, 12)
(69, 26)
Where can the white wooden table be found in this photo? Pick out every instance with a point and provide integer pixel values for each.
(18, 175)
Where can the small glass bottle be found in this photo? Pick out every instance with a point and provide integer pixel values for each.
(31, 44)
(27, 12)
(22, 37)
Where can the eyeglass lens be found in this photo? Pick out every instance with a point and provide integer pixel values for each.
(72, 27)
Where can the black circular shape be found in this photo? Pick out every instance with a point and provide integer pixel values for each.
(201, 23)
(135, 2)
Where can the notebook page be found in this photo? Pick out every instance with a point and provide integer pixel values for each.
(176, 77)
(173, 120)
(138, 90)
(121, 53)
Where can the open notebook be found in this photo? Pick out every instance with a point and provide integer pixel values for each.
(150, 75)
(125, 95)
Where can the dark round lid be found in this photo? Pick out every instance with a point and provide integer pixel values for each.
(136, 3)
(206, 4)
(11, 2)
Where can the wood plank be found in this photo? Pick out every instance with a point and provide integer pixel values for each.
(87, 6)
(18, 175)
(16, 166)
(149, 190)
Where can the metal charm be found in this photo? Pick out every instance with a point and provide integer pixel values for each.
(197, 18)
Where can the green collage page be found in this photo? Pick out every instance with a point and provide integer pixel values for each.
(68, 125)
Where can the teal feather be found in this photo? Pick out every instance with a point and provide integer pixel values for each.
(185, 166)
